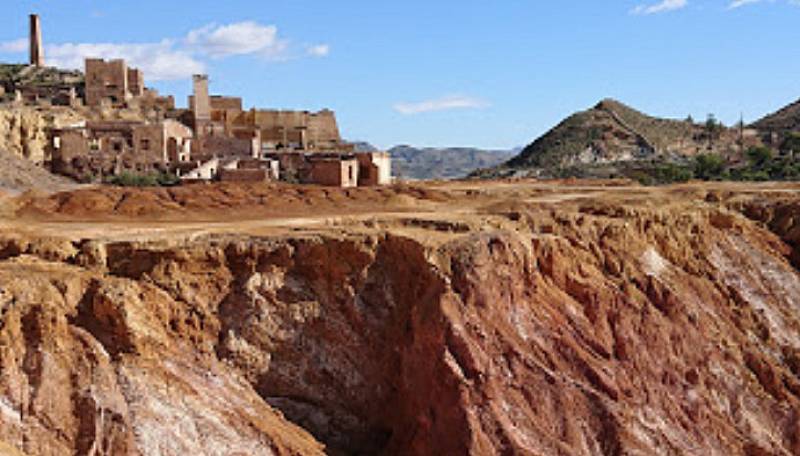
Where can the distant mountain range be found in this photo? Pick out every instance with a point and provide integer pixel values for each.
(426, 163)
(444, 163)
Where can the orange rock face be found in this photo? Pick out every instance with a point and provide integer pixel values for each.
(599, 327)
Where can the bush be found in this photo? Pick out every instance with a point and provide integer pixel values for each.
(709, 166)
(671, 173)
(168, 180)
(759, 156)
(791, 143)
(128, 179)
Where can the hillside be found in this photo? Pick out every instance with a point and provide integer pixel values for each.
(442, 163)
(784, 120)
(611, 133)
(20, 174)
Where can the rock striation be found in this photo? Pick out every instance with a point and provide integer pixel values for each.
(600, 327)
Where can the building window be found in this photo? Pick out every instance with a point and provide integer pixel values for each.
(117, 147)
(145, 144)
(350, 173)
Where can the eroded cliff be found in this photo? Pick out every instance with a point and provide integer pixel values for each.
(23, 130)
(656, 325)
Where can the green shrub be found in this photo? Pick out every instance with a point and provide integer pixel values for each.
(129, 179)
(709, 166)
(791, 143)
(759, 156)
(168, 180)
(671, 173)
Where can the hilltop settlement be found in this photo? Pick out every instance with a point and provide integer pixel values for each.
(105, 122)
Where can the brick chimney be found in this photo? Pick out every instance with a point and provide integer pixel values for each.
(37, 51)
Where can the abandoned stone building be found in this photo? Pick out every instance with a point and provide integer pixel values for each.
(130, 127)
(307, 145)
(335, 170)
(100, 148)
(216, 115)
(112, 81)
(114, 84)
(375, 168)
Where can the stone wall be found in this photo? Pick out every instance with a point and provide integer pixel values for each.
(106, 80)
(298, 129)
(334, 172)
(375, 168)
(243, 175)
(135, 82)
(219, 102)
(222, 146)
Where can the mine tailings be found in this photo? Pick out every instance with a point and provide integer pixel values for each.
(608, 330)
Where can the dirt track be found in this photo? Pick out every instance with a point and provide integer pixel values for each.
(142, 214)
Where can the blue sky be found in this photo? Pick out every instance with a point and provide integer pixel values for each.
(442, 73)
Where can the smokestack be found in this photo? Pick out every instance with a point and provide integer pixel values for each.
(37, 52)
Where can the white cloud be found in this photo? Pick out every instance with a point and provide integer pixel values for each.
(241, 38)
(661, 7)
(739, 3)
(173, 59)
(440, 104)
(318, 50)
(15, 46)
(158, 61)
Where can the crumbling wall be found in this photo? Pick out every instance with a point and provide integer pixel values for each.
(334, 172)
(23, 130)
(299, 129)
(375, 168)
(106, 80)
(243, 175)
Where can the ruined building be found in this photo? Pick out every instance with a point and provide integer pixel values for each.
(295, 130)
(307, 145)
(131, 128)
(113, 84)
(101, 148)
(112, 81)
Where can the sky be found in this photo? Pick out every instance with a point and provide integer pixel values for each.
(490, 74)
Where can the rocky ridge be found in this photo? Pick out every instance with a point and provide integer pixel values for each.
(657, 324)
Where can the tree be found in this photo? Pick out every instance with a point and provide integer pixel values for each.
(791, 145)
(708, 166)
(713, 129)
(760, 156)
